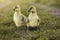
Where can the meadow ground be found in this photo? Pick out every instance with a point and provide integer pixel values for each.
(49, 26)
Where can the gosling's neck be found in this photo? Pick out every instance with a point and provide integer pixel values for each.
(17, 12)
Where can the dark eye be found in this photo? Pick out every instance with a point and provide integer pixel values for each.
(33, 11)
(16, 7)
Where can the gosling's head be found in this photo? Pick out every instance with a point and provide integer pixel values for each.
(32, 9)
(16, 8)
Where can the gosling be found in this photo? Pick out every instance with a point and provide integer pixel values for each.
(18, 18)
(33, 19)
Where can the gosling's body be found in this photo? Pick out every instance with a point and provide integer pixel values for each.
(33, 20)
(19, 19)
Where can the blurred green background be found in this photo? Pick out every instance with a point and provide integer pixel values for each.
(48, 11)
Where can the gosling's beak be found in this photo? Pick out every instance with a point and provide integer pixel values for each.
(15, 8)
(30, 9)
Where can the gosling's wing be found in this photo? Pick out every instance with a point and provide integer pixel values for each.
(39, 20)
(24, 19)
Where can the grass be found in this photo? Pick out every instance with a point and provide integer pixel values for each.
(49, 26)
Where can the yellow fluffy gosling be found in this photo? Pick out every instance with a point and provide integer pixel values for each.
(33, 19)
(18, 18)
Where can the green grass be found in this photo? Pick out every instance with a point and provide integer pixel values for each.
(49, 26)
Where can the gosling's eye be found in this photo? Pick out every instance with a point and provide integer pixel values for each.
(16, 7)
(33, 11)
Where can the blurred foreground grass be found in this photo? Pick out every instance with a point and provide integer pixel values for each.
(49, 27)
